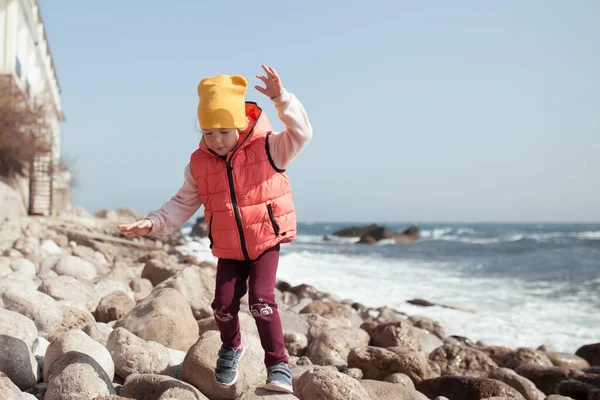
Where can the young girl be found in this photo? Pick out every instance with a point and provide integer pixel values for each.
(238, 174)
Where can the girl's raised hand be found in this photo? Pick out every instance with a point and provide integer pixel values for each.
(273, 86)
(138, 228)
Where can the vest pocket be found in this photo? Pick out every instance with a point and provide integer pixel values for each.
(210, 237)
(273, 220)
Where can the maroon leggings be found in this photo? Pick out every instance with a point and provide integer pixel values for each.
(232, 276)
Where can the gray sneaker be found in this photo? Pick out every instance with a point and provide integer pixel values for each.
(226, 372)
(279, 379)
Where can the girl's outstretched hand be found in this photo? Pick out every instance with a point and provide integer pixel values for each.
(272, 82)
(138, 228)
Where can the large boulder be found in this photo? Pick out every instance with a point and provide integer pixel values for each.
(158, 387)
(76, 267)
(198, 367)
(18, 362)
(524, 355)
(394, 334)
(462, 361)
(378, 363)
(43, 310)
(324, 384)
(113, 306)
(332, 347)
(333, 310)
(157, 271)
(74, 317)
(77, 376)
(10, 391)
(518, 382)
(98, 331)
(133, 355)
(164, 317)
(64, 287)
(197, 285)
(78, 342)
(591, 353)
(465, 388)
(567, 360)
(545, 378)
(18, 326)
(410, 235)
(390, 391)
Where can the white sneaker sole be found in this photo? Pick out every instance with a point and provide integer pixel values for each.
(237, 371)
(278, 387)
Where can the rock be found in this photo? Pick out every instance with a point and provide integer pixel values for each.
(65, 287)
(197, 285)
(164, 317)
(133, 355)
(141, 288)
(567, 360)
(591, 353)
(78, 342)
(558, 397)
(199, 228)
(98, 331)
(107, 214)
(296, 343)
(42, 309)
(320, 325)
(17, 326)
(262, 394)
(332, 347)
(496, 353)
(374, 235)
(577, 389)
(378, 363)
(24, 267)
(49, 248)
(74, 317)
(544, 378)
(355, 231)
(74, 376)
(401, 379)
(394, 334)
(113, 306)
(158, 387)
(10, 391)
(199, 366)
(462, 361)
(30, 249)
(428, 342)
(106, 287)
(17, 362)
(520, 383)
(156, 271)
(355, 373)
(299, 323)
(17, 281)
(466, 388)
(390, 391)
(432, 326)
(306, 291)
(331, 310)
(325, 384)
(76, 267)
(40, 346)
(524, 355)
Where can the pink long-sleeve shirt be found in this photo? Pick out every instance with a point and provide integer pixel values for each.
(284, 147)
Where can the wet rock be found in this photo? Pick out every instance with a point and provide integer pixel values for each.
(591, 353)
(518, 382)
(567, 360)
(544, 378)
(524, 355)
(466, 388)
(462, 361)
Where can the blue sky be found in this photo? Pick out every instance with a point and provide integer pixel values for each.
(422, 111)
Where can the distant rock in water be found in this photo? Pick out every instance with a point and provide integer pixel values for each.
(373, 233)
(199, 229)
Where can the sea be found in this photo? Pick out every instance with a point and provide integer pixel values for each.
(524, 284)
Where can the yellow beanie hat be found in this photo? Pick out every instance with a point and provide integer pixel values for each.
(222, 102)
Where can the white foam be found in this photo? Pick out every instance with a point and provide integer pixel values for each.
(512, 313)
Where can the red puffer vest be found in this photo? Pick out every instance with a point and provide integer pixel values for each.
(247, 200)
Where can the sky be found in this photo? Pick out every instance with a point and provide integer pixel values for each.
(462, 111)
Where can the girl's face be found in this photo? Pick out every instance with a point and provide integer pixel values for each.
(221, 140)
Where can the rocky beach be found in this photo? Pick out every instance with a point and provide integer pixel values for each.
(86, 313)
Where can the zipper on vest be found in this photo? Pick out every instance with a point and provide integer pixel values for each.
(210, 237)
(236, 209)
(274, 222)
